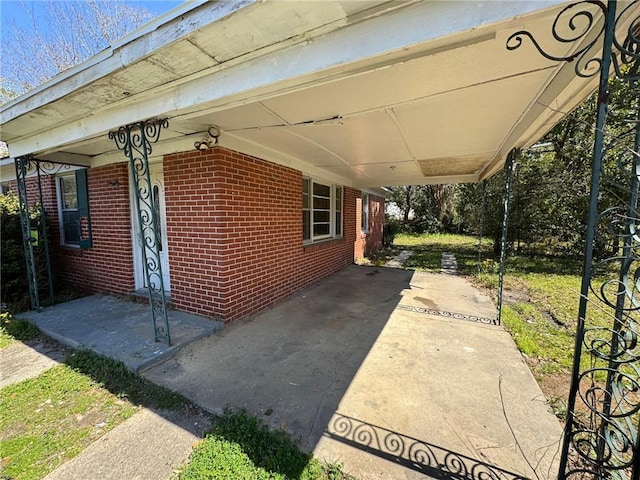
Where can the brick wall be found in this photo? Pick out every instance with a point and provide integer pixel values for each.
(370, 241)
(376, 224)
(108, 265)
(48, 194)
(234, 231)
(235, 236)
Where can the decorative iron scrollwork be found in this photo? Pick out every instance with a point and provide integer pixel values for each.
(576, 23)
(136, 141)
(22, 165)
(627, 52)
(582, 24)
(602, 432)
(29, 167)
(604, 417)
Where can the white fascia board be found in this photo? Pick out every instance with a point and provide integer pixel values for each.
(334, 55)
(248, 147)
(415, 180)
(232, 142)
(135, 46)
(378, 192)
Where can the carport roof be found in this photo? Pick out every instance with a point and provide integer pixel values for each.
(363, 93)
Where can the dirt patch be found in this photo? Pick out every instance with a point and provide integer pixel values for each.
(511, 297)
(555, 387)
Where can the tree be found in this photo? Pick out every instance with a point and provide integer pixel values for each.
(58, 36)
(409, 199)
(441, 201)
(550, 193)
(425, 208)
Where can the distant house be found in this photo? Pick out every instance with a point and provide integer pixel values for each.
(284, 120)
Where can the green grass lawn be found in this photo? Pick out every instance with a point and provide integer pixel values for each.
(241, 447)
(46, 420)
(51, 418)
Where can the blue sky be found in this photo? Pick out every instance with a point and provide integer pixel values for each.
(29, 32)
(13, 9)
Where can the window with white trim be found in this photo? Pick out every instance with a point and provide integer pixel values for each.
(365, 212)
(321, 210)
(73, 210)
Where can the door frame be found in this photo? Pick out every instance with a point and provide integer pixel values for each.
(157, 179)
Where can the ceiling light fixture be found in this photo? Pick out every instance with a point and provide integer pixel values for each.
(209, 140)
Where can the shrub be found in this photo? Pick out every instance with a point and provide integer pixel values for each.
(391, 228)
(17, 328)
(427, 224)
(13, 275)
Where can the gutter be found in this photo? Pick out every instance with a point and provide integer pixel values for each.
(227, 7)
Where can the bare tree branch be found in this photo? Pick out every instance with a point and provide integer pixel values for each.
(59, 35)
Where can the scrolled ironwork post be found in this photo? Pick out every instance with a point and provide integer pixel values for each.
(22, 167)
(136, 140)
(482, 212)
(509, 167)
(45, 234)
(602, 430)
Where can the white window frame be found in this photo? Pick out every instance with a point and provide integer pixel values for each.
(365, 213)
(336, 202)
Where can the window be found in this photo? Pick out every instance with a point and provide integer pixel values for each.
(338, 212)
(321, 210)
(73, 210)
(365, 212)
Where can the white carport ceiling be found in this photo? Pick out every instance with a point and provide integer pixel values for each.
(367, 93)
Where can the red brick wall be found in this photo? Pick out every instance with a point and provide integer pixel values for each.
(108, 265)
(370, 241)
(48, 194)
(234, 231)
(235, 236)
(376, 224)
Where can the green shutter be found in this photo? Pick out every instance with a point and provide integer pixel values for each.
(86, 239)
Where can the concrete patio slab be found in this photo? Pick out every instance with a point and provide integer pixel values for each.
(118, 328)
(431, 390)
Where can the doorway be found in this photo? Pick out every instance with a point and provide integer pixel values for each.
(157, 186)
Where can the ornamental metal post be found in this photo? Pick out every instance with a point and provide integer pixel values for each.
(482, 207)
(509, 166)
(602, 431)
(44, 234)
(619, 336)
(21, 164)
(135, 141)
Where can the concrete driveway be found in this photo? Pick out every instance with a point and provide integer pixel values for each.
(394, 373)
